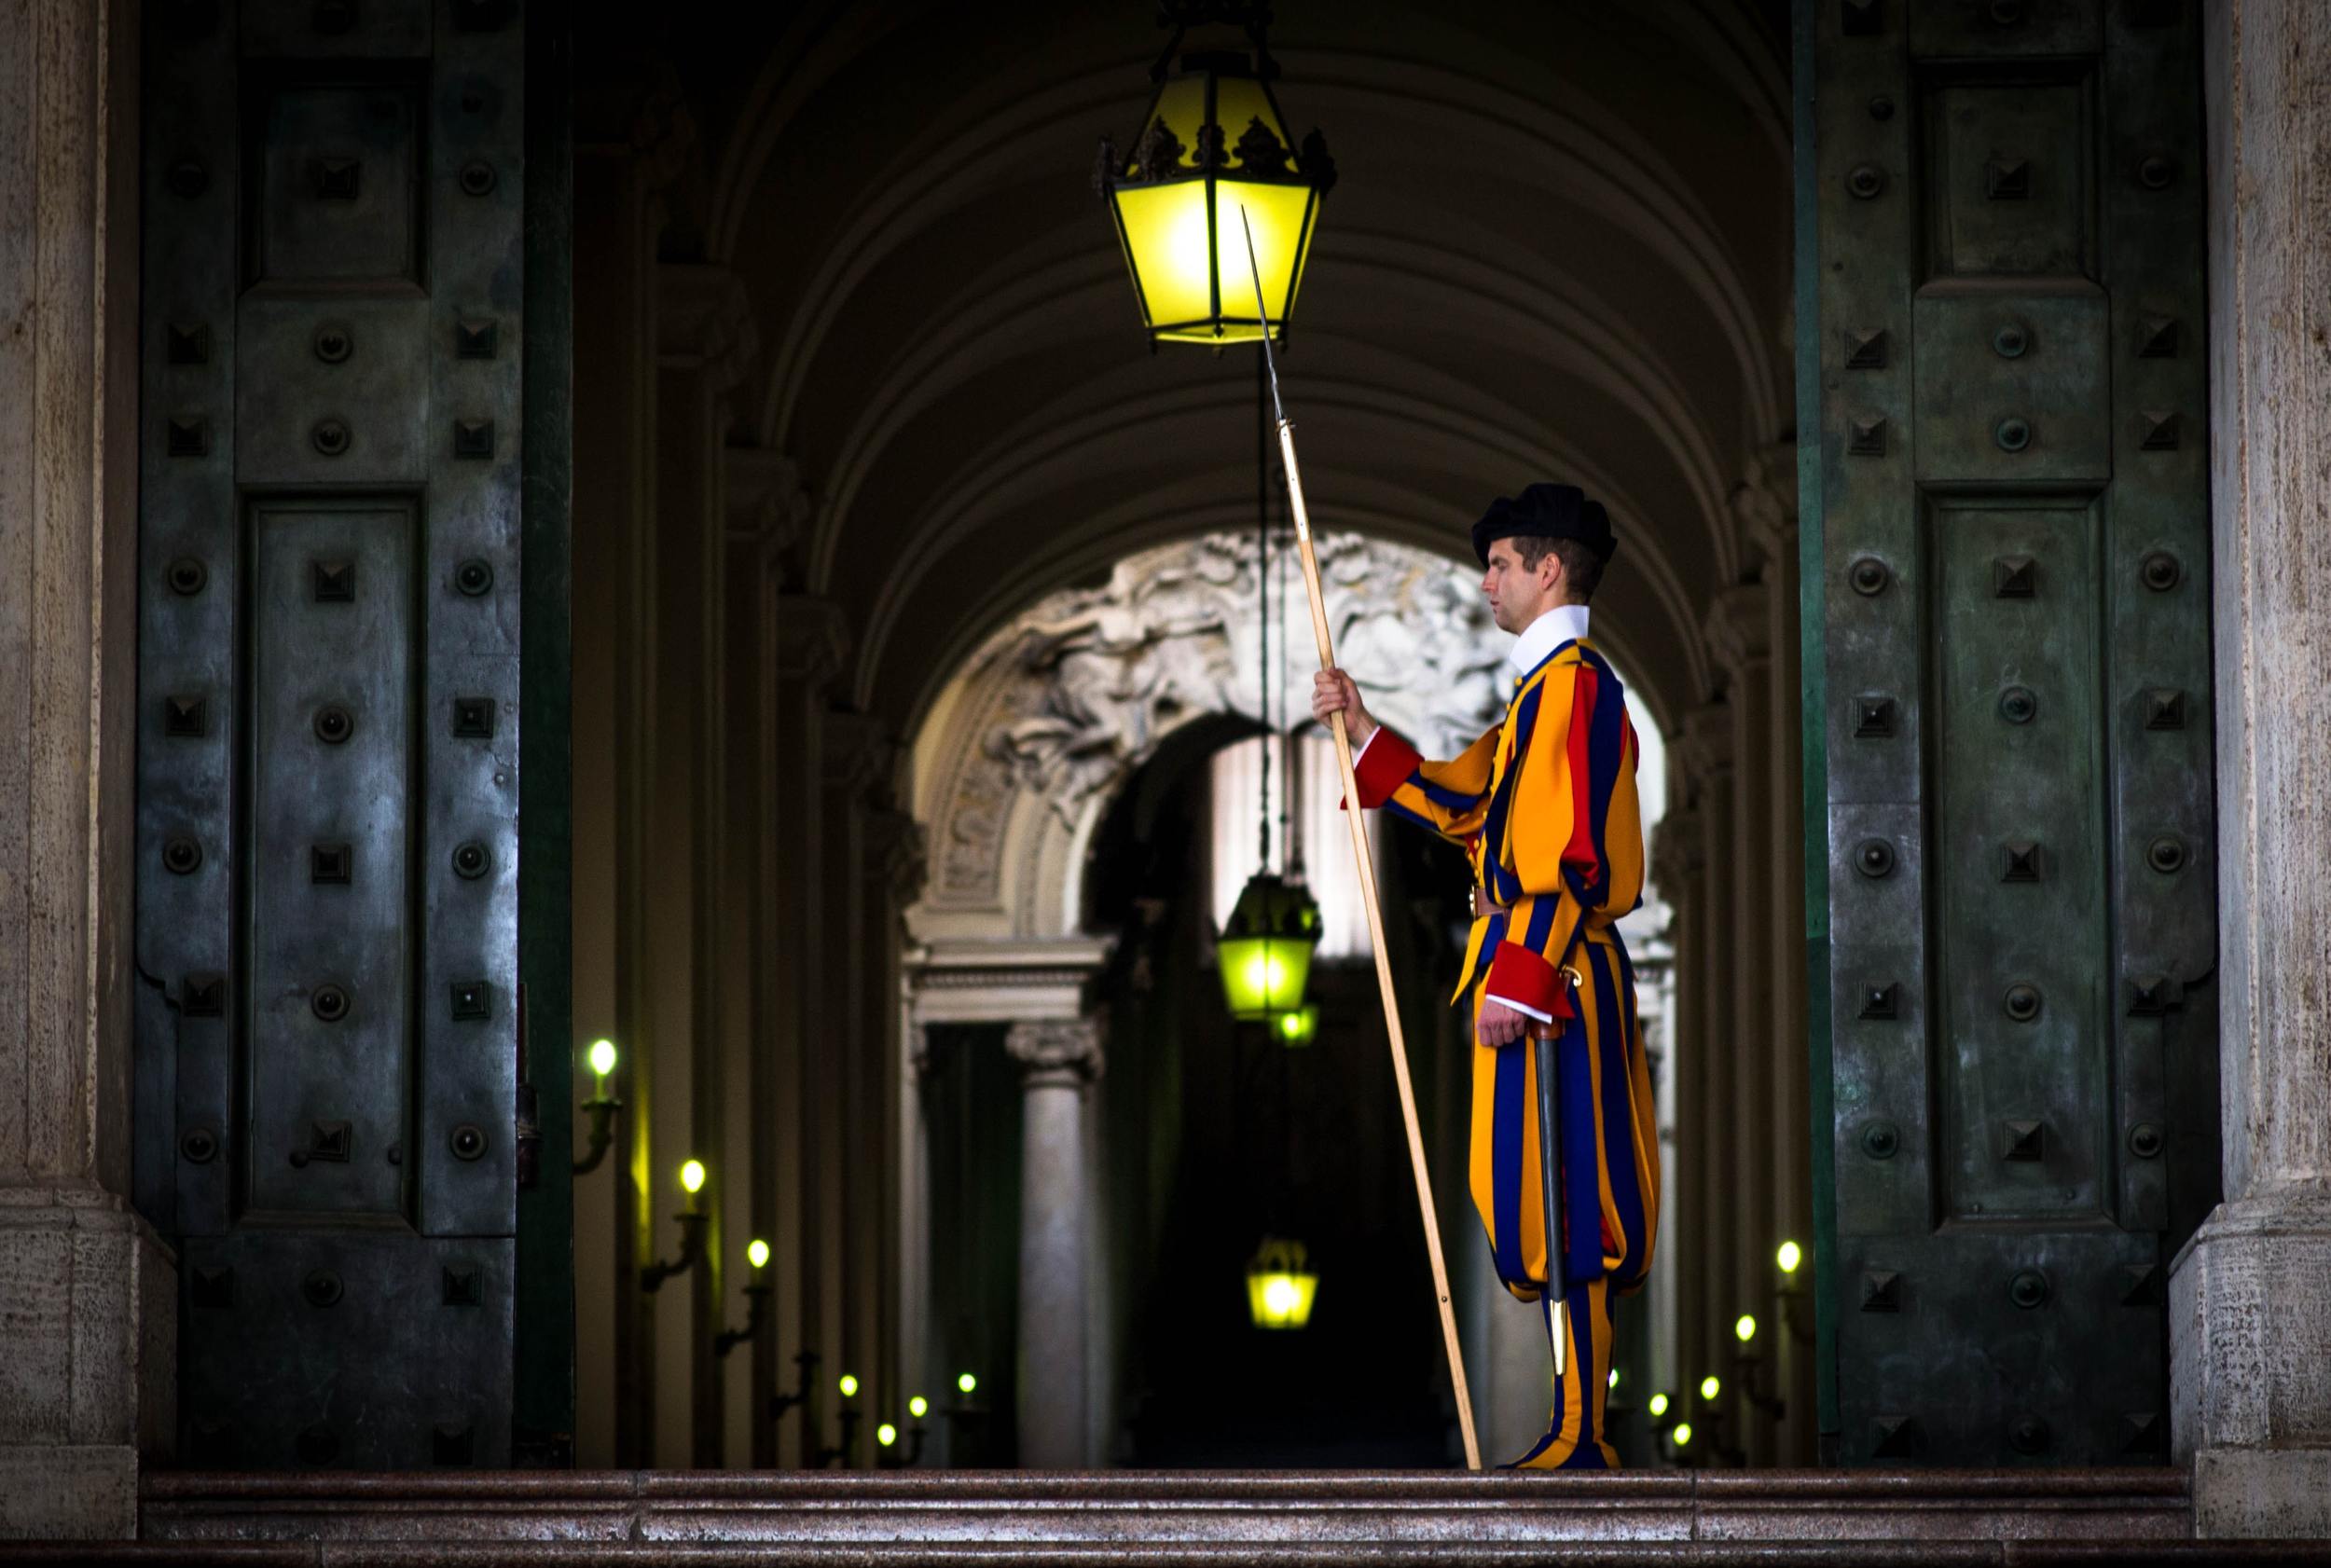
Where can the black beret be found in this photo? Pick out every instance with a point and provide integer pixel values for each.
(1546, 511)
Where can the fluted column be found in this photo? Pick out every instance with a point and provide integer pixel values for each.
(2250, 1359)
(1708, 739)
(1740, 634)
(895, 864)
(1059, 1059)
(87, 1292)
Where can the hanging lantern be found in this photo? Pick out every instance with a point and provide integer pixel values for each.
(1213, 145)
(1297, 1028)
(1279, 1286)
(1265, 948)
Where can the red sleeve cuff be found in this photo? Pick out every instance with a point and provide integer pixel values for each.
(1383, 766)
(1521, 974)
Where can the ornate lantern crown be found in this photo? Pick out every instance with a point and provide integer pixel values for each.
(1214, 145)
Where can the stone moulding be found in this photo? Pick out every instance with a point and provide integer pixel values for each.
(1385, 1517)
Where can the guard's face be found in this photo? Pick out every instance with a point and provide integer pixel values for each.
(1516, 593)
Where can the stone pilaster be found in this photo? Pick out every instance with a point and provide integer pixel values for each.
(1708, 970)
(87, 1294)
(1740, 636)
(2250, 1361)
(1061, 1059)
(810, 639)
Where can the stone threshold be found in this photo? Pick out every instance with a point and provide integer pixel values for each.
(553, 1519)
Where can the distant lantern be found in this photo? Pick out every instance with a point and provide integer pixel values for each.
(1214, 145)
(1789, 1257)
(1280, 1285)
(1265, 949)
(1300, 1027)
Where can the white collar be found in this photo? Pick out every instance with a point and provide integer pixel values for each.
(1554, 626)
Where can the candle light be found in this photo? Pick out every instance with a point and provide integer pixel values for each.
(848, 1386)
(602, 1059)
(757, 1253)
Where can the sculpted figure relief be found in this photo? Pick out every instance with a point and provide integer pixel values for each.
(1090, 681)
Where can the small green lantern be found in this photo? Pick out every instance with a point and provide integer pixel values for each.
(1297, 1028)
(1280, 1285)
(1265, 948)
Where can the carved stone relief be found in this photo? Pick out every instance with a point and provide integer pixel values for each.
(1077, 691)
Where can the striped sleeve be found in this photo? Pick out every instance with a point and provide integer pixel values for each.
(1451, 798)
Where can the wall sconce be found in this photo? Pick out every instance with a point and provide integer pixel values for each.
(846, 1450)
(601, 1106)
(1796, 1299)
(692, 1220)
(780, 1402)
(1750, 1358)
(758, 1293)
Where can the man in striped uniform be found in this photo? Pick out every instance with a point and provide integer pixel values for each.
(1545, 806)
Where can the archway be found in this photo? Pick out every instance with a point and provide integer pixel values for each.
(1062, 776)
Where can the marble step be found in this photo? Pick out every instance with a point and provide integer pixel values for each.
(1204, 1516)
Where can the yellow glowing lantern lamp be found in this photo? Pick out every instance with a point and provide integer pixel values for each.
(1298, 1028)
(1279, 1285)
(602, 1056)
(1657, 1406)
(1789, 1257)
(1614, 1378)
(1744, 1329)
(885, 1434)
(918, 1407)
(692, 1177)
(757, 1253)
(966, 1383)
(1682, 1434)
(1710, 1386)
(1265, 949)
(848, 1386)
(1213, 145)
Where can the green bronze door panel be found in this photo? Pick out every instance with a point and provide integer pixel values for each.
(2006, 224)
(2018, 861)
(327, 1038)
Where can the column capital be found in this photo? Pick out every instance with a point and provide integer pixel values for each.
(768, 504)
(1740, 626)
(812, 638)
(704, 321)
(1058, 1052)
(1764, 501)
(898, 855)
(860, 755)
(1706, 746)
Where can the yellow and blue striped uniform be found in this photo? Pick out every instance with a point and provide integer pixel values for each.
(1545, 805)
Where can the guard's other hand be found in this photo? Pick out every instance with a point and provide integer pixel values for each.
(1334, 691)
(1499, 1025)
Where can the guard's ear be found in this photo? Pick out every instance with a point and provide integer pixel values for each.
(1549, 570)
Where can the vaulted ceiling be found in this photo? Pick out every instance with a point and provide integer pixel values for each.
(1559, 249)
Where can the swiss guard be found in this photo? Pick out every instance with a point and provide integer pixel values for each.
(1564, 1133)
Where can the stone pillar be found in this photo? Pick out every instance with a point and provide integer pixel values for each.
(1708, 741)
(629, 146)
(1766, 503)
(894, 869)
(1740, 634)
(809, 641)
(1676, 861)
(2250, 1360)
(705, 341)
(1061, 1059)
(766, 509)
(87, 1294)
